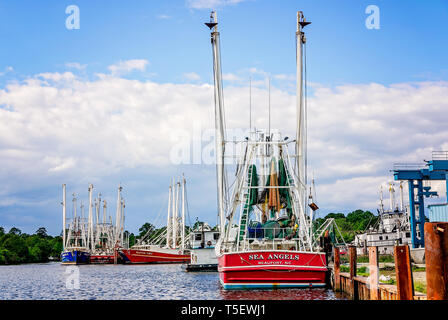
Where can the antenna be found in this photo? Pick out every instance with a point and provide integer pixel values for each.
(269, 103)
(213, 21)
(250, 105)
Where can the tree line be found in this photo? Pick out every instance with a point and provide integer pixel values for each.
(17, 247)
(353, 223)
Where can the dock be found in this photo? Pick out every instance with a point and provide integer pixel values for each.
(370, 288)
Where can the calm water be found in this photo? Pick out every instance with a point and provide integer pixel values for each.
(163, 282)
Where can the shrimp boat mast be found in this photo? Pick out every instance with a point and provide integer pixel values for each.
(169, 246)
(266, 237)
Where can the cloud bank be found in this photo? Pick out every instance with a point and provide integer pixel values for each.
(59, 128)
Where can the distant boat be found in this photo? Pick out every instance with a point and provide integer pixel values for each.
(75, 249)
(203, 240)
(168, 247)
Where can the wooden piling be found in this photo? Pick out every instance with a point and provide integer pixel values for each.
(405, 285)
(337, 269)
(353, 287)
(436, 257)
(374, 271)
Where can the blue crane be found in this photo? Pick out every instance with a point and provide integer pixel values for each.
(435, 169)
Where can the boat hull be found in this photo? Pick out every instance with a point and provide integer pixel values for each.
(272, 269)
(75, 257)
(154, 256)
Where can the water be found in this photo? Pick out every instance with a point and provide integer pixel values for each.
(131, 282)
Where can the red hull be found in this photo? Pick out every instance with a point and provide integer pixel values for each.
(272, 269)
(153, 256)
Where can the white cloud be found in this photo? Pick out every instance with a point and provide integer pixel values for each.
(56, 128)
(163, 17)
(124, 67)
(75, 65)
(7, 69)
(211, 4)
(192, 76)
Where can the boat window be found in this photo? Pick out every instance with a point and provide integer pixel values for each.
(198, 236)
(381, 237)
(215, 236)
(408, 234)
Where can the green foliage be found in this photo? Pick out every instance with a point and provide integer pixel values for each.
(147, 228)
(17, 247)
(355, 222)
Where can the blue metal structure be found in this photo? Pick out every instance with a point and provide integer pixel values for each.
(435, 169)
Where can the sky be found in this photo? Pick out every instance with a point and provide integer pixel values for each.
(110, 103)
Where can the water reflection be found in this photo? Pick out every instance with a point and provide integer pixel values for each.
(131, 282)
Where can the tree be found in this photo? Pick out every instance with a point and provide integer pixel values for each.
(2, 231)
(15, 231)
(42, 232)
(147, 228)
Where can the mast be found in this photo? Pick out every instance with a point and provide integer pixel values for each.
(175, 217)
(401, 197)
(301, 119)
(64, 216)
(74, 219)
(168, 220)
(123, 205)
(104, 211)
(173, 210)
(118, 216)
(219, 117)
(89, 226)
(381, 200)
(392, 198)
(183, 214)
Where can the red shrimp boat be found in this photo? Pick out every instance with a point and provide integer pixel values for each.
(154, 255)
(168, 246)
(266, 238)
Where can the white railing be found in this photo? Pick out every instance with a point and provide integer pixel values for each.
(440, 155)
(409, 166)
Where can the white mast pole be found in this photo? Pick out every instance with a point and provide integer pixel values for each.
(401, 197)
(219, 117)
(300, 143)
(392, 199)
(168, 219)
(175, 217)
(183, 214)
(89, 226)
(118, 216)
(64, 216)
(173, 210)
(381, 200)
(122, 221)
(104, 211)
(74, 219)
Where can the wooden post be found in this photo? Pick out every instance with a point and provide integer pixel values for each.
(337, 269)
(374, 273)
(352, 253)
(405, 285)
(436, 257)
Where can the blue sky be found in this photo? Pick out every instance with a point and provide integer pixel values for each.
(170, 38)
(411, 43)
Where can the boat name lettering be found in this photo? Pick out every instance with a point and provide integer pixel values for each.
(274, 256)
